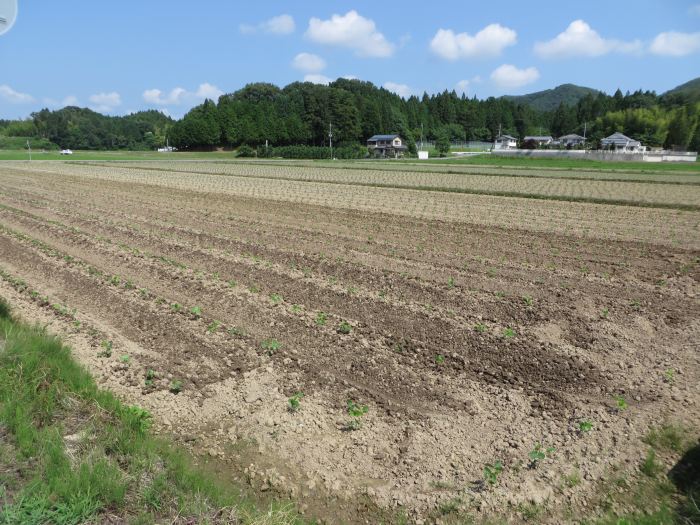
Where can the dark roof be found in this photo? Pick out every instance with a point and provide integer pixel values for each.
(383, 137)
(619, 138)
(506, 137)
(572, 136)
(538, 137)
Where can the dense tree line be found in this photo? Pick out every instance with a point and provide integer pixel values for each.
(301, 113)
(81, 128)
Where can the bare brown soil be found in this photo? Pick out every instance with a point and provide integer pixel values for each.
(471, 341)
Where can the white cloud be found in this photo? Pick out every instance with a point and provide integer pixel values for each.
(675, 44)
(178, 95)
(352, 31)
(315, 78)
(14, 97)
(581, 40)
(508, 76)
(462, 86)
(277, 25)
(309, 63)
(105, 102)
(401, 90)
(487, 43)
(70, 100)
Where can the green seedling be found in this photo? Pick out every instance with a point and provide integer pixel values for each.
(106, 349)
(621, 403)
(508, 333)
(176, 307)
(115, 280)
(492, 471)
(253, 288)
(294, 402)
(196, 312)
(175, 386)
(276, 298)
(356, 412)
(669, 376)
(235, 331)
(538, 454)
(480, 327)
(440, 359)
(604, 313)
(296, 308)
(150, 376)
(140, 418)
(528, 300)
(451, 282)
(585, 426)
(344, 328)
(321, 318)
(129, 285)
(125, 359)
(271, 346)
(213, 326)
(232, 284)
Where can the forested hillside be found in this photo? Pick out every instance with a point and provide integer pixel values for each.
(300, 115)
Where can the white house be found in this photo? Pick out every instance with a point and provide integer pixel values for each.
(623, 144)
(540, 140)
(571, 141)
(505, 142)
(386, 146)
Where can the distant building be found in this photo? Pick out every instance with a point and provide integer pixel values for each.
(505, 142)
(571, 141)
(621, 143)
(386, 146)
(540, 140)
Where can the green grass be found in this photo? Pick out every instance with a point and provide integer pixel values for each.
(115, 155)
(71, 453)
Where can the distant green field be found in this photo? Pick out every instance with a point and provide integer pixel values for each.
(488, 160)
(114, 155)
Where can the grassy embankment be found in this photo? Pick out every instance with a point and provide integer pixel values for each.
(71, 453)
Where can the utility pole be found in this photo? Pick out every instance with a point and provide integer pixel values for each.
(29, 147)
(330, 138)
(585, 126)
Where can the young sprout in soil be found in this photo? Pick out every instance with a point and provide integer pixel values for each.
(528, 300)
(129, 285)
(125, 359)
(232, 284)
(621, 403)
(508, 333)
(296, 308)
(271, 346)
(196, 312)
(294, 402)
(440, 359)
(175, 386)
(115, 280)
(344, 328)
(669, 376)
(585, 426)
(538, 454)
(492, 471)
(480, 327)
(321, 318)
(150, 376)
(451, 282)
(356, 412)
(254, 288)
(604, 313)
(106, 349)
(213, 326)
(176, 307)
(276, 298)
(235, 331)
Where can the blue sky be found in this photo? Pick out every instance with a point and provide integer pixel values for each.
(118, 57)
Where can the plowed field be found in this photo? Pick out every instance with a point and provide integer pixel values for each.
(473, 327)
